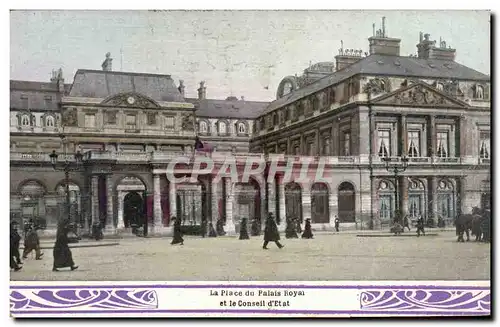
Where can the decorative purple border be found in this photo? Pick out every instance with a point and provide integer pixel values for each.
(430, 300)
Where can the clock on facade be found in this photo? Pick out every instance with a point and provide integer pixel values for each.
(131, 100)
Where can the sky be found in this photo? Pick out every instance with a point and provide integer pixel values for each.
(236, 53)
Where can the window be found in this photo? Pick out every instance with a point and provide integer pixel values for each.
(346, 144)
(222, 127)
(445, 205)
(296, 149)
(151, 118)
(439, 87)
(90, 121)
(384, 143)
(275, 119)
(287, 88)
(311, 148)
(131, 119)
(414, 209)
(25, 120)
(287, 114)
(326, 146)
(442, 144)
(111, 117)
(203, 127)
(385, 203)
(49, 121)
(169, 122)
(242, 129)
(331, 96)
(479, 92)
(316, 102)
(413, 143)
(484, 145)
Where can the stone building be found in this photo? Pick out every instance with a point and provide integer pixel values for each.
(345, 115)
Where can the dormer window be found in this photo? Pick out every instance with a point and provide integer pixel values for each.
(203, 127)
(49, 121)
(479, 94)
(222, 127)
(242, 129)
(25, 120)
(440, 87)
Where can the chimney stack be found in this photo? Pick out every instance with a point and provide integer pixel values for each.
(380, 43)
(107, 64)
(347, 57)
(181, 87)
(427, 49)
(202, 91)
(57, 77)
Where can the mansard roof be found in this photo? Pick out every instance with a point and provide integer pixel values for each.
(387, 65)
(29, 95)
(103, 84)
(229, 108)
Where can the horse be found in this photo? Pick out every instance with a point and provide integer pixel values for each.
(467, 222)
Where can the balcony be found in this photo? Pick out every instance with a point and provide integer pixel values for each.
(484, 161)
(445, 160)
(38, 157)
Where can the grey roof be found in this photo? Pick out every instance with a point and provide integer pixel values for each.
(228, 108)
(34, 95)
(102, 84)
(377, 64)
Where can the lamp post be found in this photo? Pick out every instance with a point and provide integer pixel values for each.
(396, 168)
(67, 167)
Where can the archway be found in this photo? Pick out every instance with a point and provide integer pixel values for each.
(416, 199)
(132, 209)
(319, 204)
(33, 204)
(75, 203)
(446, 201)
(386, 202)
(247, 202)
(191, 203)
(293, 201)
(347, 202)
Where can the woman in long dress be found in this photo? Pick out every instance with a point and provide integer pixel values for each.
(307, 230)
(243, 230)
(62, 253)
(177, 232)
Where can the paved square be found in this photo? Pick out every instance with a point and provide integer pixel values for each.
(327, 257)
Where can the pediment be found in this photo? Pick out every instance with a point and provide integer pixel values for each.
(419, 94)
(133, 100)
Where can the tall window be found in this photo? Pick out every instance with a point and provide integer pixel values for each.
(311, 149)
(296, 149)
(346, 144)
(169, 122)
(203, 127)
(444, 205)
(25, 120)
(222, 127)
(384, 143)
(479, 92)
(49, 121)
(90, 120)
(385, 203)
(413, 143)
(242, 128)
(131, 119)
(326, 147)
(442, 144)
(414, 209)
(484, 144)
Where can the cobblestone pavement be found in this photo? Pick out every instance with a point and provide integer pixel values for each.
(327, 257)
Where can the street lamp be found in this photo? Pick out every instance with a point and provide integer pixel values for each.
(396, 168)
(67, 167)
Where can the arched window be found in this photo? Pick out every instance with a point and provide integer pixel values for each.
(242, 128)
(479, 92)
(440, 87)
(49, 121)
(203, 127)
(222, 127)
(25, 120)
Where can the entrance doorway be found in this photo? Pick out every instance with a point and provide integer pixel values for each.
(132, 209)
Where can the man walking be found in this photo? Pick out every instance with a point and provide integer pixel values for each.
(420, 226)
(337, 224)
(271, 233)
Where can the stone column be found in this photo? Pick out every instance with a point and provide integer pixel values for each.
(214, 198)
(433, 214)
(157, 213)
(404, 136)
(263, 202)
(306, 202)
(95, 199)
(120, 224)
(373, 140)
(463, 201)
(110, 221)
(281, 200)
(376, 223)
(432, 135)
(333, 207)
(403, 194)
(230, 227)
(172, 200)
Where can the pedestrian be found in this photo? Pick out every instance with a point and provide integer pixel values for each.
(307, 230)
(32, 242)
(291, 229)
(337, 224)
(271, 233)
(177, 232)
(255, 229)
(15, 239)
(420, 226)
(211, 230)
(203, 228)
(298, 225)
(244, 230)
(220, 227)
(62, 254)
(406, 222)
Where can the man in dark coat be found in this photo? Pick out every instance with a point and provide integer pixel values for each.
(211, 230)
(220, 227)
(243, 230)
(15, 239)
(62, 253)
(32, 242)
(271, 233)
(337, 224)
(420, 226)
(291, 229)
(177, 232)
(298, 226)
(307, 229)
(406, 223)
(255, 228)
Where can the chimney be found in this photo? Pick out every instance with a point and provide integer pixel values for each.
(202, 91)
(57, 78)
(380, 43)
(427, 49)
(346, 57)
(106, 65)
(181, 87)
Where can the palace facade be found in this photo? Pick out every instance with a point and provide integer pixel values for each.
(350, 113)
